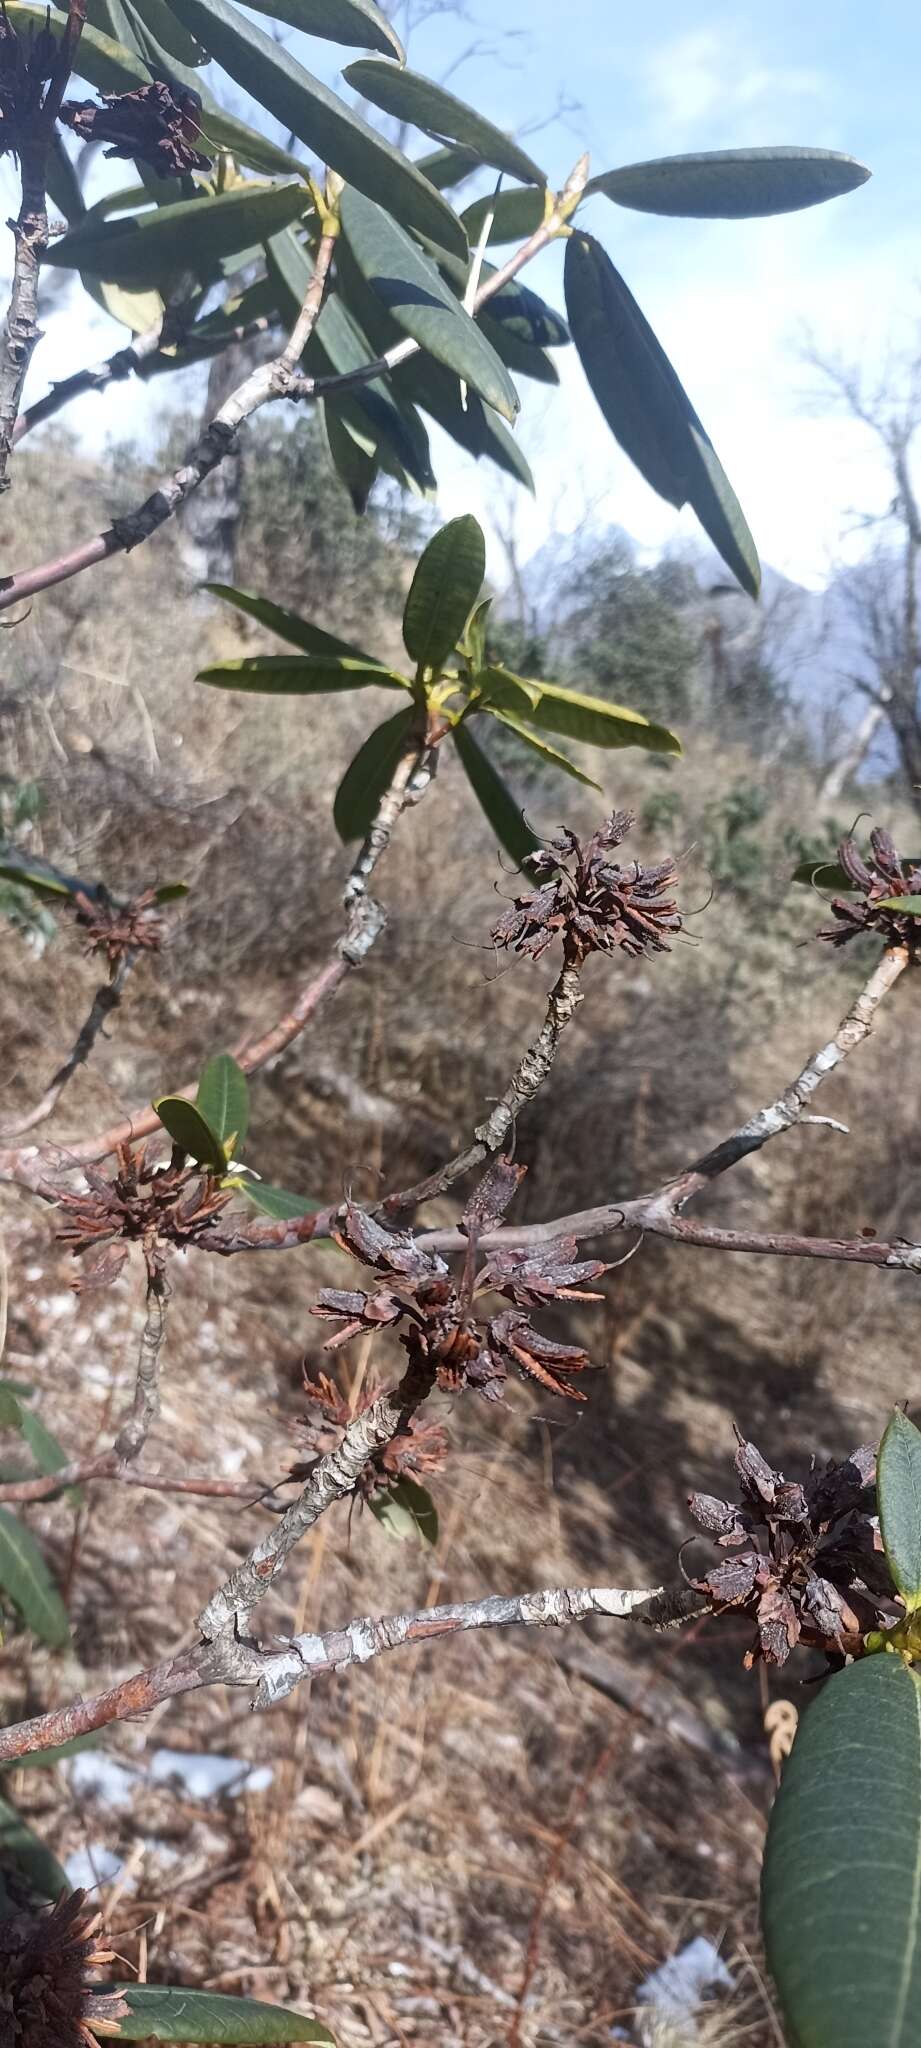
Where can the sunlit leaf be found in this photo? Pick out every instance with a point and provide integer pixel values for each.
(646, 407)
(143, 249)
(898, 1486)
(25, 1578)
(406, 1509)
(288, 625)
(410, 97)
(368, 776)
(309, 110)
(515, 215)
(278, 1203)
(542, 747)
(287, 675)
(415, 294)
(495, 799)
(447, 582)
(188, 1130)
(222, 1098)
(909, 905)
(32, 872)
(159, 2012)
(732, 184)
(841, 1900)
(578, 716)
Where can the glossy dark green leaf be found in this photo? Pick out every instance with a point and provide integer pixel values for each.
(305, 675)
(298, 632)
(515, 215)
(447, 582)
(910, 906)
(329, 128)
(495, 799)
(146, 248)
(410, 97)
(415, 294)
(406, 1509)
(222, 1098)
(646, 407)
(159, 2012)
(898, 1486)
(188, 1130)
(841, 1898)
(550, 754)
(368, 775)
(25, 1578)
(593, 720)
(516, 308)
(278, 1203)
(28, 1855)
(356, 22)
(355, 466)
(732, 184)
(823, 874)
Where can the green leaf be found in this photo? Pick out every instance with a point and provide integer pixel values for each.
(368, 774)
(32, 872)
(542, 747)
(22, 1848)
(406, 1509)
(171, 892)
(24, 1575)
(410, 97)
(222, 1098)
(100, 60)
(415, 294)
(909, 905)
(475, 427)
(841, 1898)
(45, 1759)
(645, 406)
(188, 1130)
(159, 2012)
(279, 1203)
(330, 129)
(150, 28)
(445, 587)
(822, 874)
(10, 1411)
(298, 632)
(516, 215)
(898, 1486)
(519, 311)
(358, 22)
(494, 797)
(147, 248)
(48, 1454)
(732, 184)
(445, 168)
(355, 466)
(283, 675)
(593, 720)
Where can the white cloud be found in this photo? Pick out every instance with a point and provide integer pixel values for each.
(707, 75)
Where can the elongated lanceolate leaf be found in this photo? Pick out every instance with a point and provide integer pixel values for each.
(732, 184)
(141, 249)
(474, 426)
(222, 1098)
(500, 809)
(278, 1203)
(368, 775)
(357, 22)
(159, 2012)
(423, 306)
(306, 675)
(445, 168)
(406, 1509)
(297, 631)
(445, 587)
(910, 906)
(552, 755)
(575, 714)
(646, 407)
(410, 97)
(354, 461)
(898, 1485)
(25, 1578)
(841, 1894)
(27, 1854)
(823, 874)
(515, 215)
(329, 128)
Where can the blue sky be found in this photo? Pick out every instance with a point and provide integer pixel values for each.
(730, 301)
